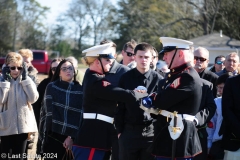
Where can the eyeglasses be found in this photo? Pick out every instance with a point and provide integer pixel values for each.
(129, 54)
(219, 62)
(14, 68)
(53, 69)
(200, 58)
(64, 69)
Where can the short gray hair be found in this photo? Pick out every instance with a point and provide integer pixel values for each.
(232, 54)
(73, 60)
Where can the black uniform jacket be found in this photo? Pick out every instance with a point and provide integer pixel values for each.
(231, 114)
(99, 96)
(181, 91)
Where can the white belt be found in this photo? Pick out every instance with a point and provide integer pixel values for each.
(170, 115)
(98, 116)
(175, 130)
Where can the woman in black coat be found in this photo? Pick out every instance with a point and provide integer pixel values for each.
(42, 86)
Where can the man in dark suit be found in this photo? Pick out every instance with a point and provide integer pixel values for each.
(206, 112)
(231, 118)
(201, 60)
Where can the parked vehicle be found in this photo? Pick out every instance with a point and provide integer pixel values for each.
(40, 61)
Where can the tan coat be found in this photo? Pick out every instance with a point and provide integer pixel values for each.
(16, 112)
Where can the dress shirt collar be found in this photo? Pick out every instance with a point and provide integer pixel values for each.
(146, 74)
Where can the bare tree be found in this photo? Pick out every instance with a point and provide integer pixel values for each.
(98, 11)
(204, 14)
(78, 22)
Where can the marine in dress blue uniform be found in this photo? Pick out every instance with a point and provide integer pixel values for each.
(177, 102)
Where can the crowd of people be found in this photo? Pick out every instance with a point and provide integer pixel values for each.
(137, 109)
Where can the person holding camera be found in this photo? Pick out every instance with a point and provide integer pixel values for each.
(17, 93)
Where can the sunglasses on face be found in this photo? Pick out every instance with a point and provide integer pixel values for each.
(14, 68)
(64, 69)
(53, 69)
(219, 62)
(129, 54)
(200, 58)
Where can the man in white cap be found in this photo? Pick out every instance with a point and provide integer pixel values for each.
(99, 98)
(178, 100)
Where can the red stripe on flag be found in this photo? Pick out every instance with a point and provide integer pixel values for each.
(91, 154)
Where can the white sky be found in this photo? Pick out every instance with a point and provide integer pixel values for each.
(56, 8)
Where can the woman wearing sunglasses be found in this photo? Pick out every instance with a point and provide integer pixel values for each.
(61, 112)
(17, 93)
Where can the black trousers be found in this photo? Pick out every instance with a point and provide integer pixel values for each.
(134, 142)
(216, 152)
(115, 147)
(15, 144)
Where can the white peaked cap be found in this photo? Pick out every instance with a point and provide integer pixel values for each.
(179, 43)
(104, 50)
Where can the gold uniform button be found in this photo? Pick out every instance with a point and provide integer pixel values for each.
(166, 81)
(169, 75)
(173, 70)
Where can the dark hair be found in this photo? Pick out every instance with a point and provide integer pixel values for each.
(220, 56)
(108, 41)
(57, 72)
(144, 47)
(222, 79)
(50, 74)
(132, 44)
(155, 50)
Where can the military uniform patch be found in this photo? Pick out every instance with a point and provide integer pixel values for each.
(105, 83)
(175, 83)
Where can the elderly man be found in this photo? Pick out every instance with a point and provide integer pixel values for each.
(201, 60)
(178, 101)
(231, 64)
